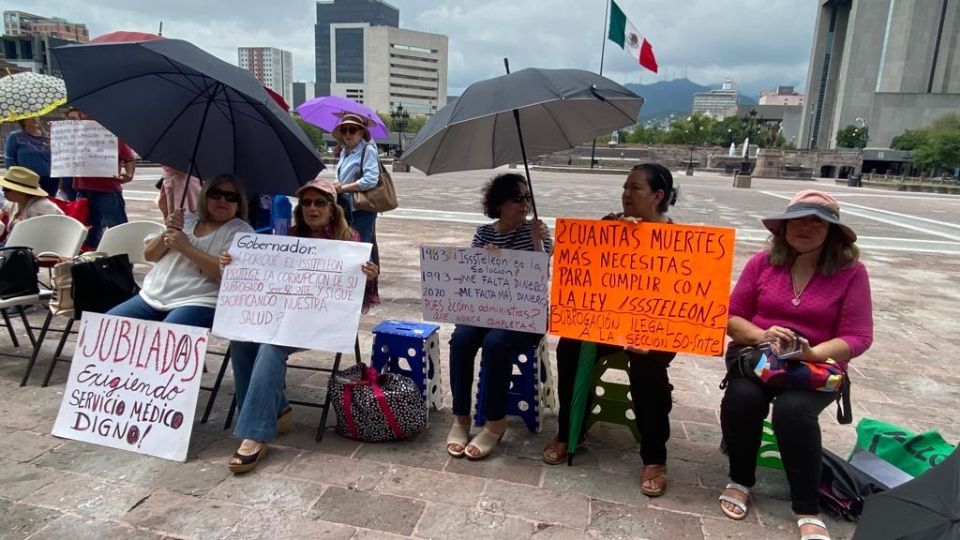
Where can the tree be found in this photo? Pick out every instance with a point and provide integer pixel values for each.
(910, 139)
(852, 137)
(313, 133)
(934, 147)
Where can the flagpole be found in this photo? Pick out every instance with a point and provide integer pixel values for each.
(603, 50)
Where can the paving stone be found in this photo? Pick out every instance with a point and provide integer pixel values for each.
(277, 493)
(703, 433)
(368, 534)
(427, 485)
(338, 471)
(81, 528)
(19, 480)
(592, 483)
(546, 531)
(305, 439)
(534, 504)
(88, 496)
(445, 521)
(684, 498)
(426, 451)
(728, 529)
(23, 415)
(500, 466)
(263, 524)
(619, 521)
(18, 521)
(186, 516)
(277, 459)
(368, 510)
(22, 446)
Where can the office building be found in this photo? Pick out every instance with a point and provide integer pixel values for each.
(32, 53)
(888, 65)
(22, 24)
(348, 39)
(783, 96)
(272, 67)
(302, 92)
(717, 103)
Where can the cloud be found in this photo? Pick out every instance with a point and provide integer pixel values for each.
(757, 42)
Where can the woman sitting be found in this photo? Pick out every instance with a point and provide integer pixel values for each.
(182, 288)
(506, 199)
(259, 369)
(808, 286)
(647, 194)
(25, 199)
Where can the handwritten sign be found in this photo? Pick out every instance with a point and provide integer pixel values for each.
(133, 385)
(504, 289)
(82, 148)
(654, 286)
(298, 292)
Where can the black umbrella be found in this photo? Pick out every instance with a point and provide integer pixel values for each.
(178, 105)
(925, 508)
(558, 109)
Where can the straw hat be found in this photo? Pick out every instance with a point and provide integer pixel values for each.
(810, 202)
(23, 180)
(351, 120)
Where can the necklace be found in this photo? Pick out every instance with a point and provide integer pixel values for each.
(796, 293)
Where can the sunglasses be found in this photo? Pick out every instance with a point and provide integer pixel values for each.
(521, 197)
(319, 203)
(229, 196)
(350, 130)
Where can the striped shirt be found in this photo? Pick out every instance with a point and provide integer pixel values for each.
(519, 238)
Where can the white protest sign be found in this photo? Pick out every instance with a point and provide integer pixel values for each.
(133, 385)
(82, 148)
(298, 292)
(504, 289)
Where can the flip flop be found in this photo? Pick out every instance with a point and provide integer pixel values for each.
(560, 456)
(742, 505)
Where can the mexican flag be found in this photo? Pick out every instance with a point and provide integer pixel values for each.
(625, 34)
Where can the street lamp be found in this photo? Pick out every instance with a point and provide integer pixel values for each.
(400, 118)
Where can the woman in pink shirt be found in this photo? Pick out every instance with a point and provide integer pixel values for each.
(809, 282)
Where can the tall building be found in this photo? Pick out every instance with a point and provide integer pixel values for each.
(22, 24)
(348, 39)
(302, 92)
(783, 95)
(272, 67)
(717, 103)
(888, 65)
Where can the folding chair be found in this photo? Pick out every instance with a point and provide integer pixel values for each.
(324, 407)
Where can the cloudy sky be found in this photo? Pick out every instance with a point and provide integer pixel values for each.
(759, 43)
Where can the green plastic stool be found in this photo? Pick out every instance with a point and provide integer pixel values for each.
(769, 454)
(612, 399)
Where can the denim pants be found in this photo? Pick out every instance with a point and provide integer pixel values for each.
(366, 224)
(136, 308)
(259, 372)
(107, 209)
(499, 346)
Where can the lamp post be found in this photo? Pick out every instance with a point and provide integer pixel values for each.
(400, 118)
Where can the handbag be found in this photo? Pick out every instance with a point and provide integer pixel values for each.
(18, 272)
(102, 284)
(760, 365)
(380, 198)
(895, 454)
(62, 302)
(372, 407)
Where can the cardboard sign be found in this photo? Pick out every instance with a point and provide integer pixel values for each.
(654, 286)
(298, 292)
(504, 289)
(133, 385)
(82, 148)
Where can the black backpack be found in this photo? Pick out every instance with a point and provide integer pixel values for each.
(18, 272)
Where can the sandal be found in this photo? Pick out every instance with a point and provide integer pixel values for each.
(485, 442)
(459, 434)
(656, 474)
(812, 521)
(742, 505)
(555, 453)
(285, 420)
(247, 463)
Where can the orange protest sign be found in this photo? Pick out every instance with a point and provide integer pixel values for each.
(651, 285)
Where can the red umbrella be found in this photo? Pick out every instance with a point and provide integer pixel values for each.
(119, 36)
(278, 98)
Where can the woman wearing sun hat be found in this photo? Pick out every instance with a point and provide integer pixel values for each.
(807, 285)
(25, 199)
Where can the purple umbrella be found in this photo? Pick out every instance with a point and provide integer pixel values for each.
(325, 112)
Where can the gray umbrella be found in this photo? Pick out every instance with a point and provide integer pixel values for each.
(558, 109)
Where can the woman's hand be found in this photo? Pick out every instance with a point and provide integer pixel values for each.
(225, 258)
(539, 232)
(176, 240)
(492, 248)
(776, 335)
(369, 269)
(809, 354)
(635, 350)
(175, 220)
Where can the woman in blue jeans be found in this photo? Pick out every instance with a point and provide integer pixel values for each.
(182, 287)
(259, 369)
(507, 200)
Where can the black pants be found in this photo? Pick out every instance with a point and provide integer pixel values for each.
(795, 423)
(649, 387)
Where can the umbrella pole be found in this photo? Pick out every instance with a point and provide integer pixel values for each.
(196, 145)
(523, 150)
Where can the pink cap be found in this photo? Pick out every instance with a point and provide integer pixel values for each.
(319, 184)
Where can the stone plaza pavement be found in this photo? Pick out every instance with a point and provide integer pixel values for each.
(54, 488)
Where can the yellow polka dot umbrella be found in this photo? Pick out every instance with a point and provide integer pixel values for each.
(27, 95)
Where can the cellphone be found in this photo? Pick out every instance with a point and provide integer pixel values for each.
(793, 349)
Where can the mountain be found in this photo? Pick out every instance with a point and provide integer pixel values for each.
(664, 97)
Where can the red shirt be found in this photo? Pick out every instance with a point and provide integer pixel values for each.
(93, 183)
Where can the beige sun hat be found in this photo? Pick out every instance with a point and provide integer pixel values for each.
(23, 180)
(810, 202)
(351, 120)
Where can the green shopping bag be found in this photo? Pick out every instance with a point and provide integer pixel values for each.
(909, 452)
